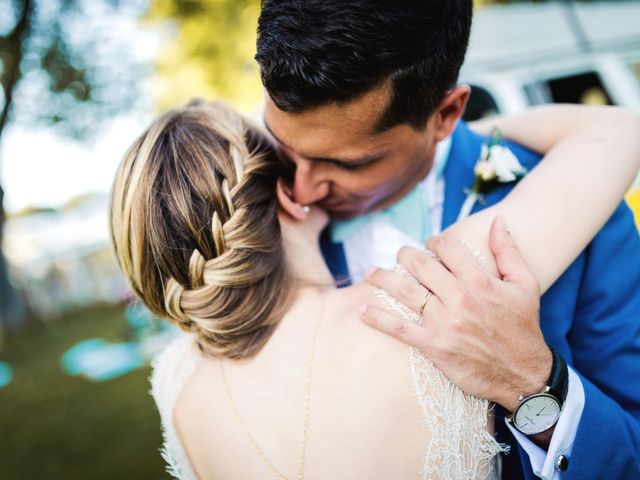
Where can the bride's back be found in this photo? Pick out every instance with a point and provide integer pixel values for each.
(207, 240)
(363, 422)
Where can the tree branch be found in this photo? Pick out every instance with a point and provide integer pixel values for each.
(14, 43)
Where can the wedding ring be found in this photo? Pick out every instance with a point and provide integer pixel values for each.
(424, 302)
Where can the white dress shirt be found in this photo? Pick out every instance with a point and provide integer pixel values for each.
(377, 243)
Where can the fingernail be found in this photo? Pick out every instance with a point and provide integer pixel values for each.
(362, 310)
(370, 272)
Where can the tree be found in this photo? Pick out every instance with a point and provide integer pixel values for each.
(61, 65)
(210, 52)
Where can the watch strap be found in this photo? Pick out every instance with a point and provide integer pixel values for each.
(558, 384)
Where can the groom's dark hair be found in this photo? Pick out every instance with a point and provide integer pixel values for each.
(318, 52)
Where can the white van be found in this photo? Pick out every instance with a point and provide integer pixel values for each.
(561, 52)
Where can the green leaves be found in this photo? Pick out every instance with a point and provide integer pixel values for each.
(209, 51)
(64, 65)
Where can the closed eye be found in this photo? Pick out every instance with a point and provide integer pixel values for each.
(351, 166)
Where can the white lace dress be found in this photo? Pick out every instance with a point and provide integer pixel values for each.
(461, 447)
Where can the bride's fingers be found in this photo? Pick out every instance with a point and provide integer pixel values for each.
(394, 325)
(427, 270)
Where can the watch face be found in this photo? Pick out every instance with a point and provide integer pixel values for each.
(536, 414)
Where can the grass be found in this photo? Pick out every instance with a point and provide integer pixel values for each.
(59, 427)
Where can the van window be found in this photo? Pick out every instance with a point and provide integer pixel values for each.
(586, 88)
(635, 68)
(481, 104)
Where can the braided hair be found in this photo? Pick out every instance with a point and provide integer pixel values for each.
(195, 230)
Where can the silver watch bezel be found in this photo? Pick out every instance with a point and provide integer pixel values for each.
(523, 402)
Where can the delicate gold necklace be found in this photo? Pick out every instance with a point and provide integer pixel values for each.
(307, 401)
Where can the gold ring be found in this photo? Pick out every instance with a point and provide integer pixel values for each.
(424, 302)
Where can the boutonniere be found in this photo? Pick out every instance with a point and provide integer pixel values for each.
(496, 166)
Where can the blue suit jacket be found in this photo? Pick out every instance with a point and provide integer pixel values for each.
(591, 315)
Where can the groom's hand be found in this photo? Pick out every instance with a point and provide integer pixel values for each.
(481, 331)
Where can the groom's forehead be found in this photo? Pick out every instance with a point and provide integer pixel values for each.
(313, 137)
(340, 126)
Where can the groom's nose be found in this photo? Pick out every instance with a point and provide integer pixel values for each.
(308, 186)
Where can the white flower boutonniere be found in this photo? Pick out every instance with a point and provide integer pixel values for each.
(496, 166)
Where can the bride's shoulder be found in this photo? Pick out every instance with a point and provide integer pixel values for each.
(370, 345)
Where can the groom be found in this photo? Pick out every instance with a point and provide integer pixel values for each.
(362, 98)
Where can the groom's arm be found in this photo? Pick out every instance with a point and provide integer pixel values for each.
(605, 343)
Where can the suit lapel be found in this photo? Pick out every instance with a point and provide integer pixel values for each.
(465, 150)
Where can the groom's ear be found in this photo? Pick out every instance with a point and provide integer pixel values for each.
(285, 200)
(450, 110)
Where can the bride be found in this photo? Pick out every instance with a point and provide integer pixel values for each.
(277, 376)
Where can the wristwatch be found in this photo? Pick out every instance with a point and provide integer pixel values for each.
(539, 412)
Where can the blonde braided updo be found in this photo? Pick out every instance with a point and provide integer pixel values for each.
(195, 229)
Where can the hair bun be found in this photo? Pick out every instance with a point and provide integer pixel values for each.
(195, 228)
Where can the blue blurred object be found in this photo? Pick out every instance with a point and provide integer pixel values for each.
(138, 316)
(6, 374)
(100, 360)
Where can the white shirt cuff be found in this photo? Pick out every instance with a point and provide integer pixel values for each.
(543, 463)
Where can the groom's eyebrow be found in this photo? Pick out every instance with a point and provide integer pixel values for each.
(352, 162)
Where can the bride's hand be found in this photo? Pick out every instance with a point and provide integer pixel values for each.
(307, 219)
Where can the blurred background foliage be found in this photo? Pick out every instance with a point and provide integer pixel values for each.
(213, 42)
(61, 66)
(64, 68)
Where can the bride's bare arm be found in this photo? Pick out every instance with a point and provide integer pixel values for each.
(592, 156)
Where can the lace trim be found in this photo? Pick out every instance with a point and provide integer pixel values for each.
(460, 447)
(171, 369)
